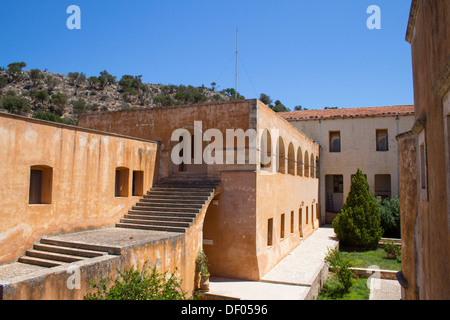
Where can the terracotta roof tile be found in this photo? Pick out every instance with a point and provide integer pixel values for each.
(317, 114)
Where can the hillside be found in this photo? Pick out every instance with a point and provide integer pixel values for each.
(61, 98)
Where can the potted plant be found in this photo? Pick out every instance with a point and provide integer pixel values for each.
(392, 250)
(201, 272)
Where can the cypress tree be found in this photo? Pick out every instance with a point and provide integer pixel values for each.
(358, 224)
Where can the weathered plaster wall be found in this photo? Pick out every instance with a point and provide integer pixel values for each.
(83, 185)
(429, 35)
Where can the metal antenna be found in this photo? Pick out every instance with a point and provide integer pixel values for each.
(236, 84)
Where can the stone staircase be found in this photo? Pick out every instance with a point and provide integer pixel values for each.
(52, 253)
(171, 205)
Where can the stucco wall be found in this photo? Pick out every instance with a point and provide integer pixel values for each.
(83, 180)
(358, 149)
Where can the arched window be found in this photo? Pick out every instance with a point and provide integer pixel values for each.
(266, 150)
(311, 166)
(299, 162)
(281, 156)
(306, 164)
(291, 159)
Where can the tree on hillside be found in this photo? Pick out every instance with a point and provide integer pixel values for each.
(15, 69)
(279, 107)
(358, 223)
(264, 98)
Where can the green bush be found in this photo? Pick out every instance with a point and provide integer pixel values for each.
(79, 106)
(15, 104)
(390, 217)
(136, 284)
(358, 224)
(47, 116)
(341, 267)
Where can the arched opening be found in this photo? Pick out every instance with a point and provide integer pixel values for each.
(306, 164)
(266, 150)
(299, 162)
(317, 167)
(291, 159)
(311, 166)
(281, 156)
(182, 161)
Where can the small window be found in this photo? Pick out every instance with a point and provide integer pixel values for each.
(335, 141)
(41, 179)
(121, 185)
(138, 183)
(307, 221)
(282, 227)
(292, 221)
(300, 222)
(382, 140)
(270, 232)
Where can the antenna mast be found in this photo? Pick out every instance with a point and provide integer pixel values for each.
(236, 83)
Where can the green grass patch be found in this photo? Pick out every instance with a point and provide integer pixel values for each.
(364, 259)
(333, 290)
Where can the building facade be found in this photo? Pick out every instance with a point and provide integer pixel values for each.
(354, 138)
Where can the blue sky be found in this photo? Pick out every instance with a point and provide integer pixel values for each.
(311, 53)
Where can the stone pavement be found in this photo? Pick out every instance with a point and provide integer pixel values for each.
(298, 276)
(291, 279)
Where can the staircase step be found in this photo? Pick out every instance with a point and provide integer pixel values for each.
(147, 227)
(175, 197)
(81, 245)
(178, 200)
(187, 192)
(182, 189)
(164, 209)
(164, 213)
(155, 223)
(170, 205)
(157, 218)
(52, 256)
(68, 251)
(40, 262)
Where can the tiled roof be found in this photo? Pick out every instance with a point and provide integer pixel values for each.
(317, 114)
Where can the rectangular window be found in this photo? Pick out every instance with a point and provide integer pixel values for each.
(382, 140)
(41, 178)
(292, 221)
(300, 222)
(121, 183)
(335, 141)
(270, 232)
(138, 183)
(383, 186)
(307, 222)
(282, 227)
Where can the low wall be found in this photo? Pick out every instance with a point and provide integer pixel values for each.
(73, 281)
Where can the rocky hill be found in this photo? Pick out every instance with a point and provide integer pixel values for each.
(61, 98)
